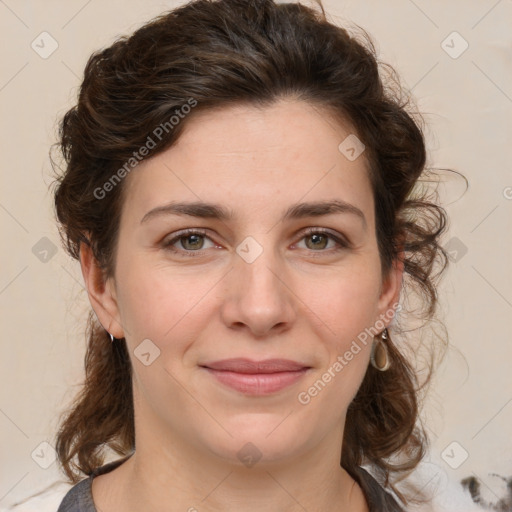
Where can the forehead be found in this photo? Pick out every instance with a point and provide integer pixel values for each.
(250, 157)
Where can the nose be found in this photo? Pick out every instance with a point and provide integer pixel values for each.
(257, 297)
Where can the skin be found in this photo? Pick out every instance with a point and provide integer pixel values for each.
(300, 299)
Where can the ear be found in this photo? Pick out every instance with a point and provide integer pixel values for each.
(101, 292)
(390, 290)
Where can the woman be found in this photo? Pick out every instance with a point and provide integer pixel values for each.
(240, 191)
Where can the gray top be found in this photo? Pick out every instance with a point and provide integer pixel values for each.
(79, 497)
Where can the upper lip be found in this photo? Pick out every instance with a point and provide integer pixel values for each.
(243, 365)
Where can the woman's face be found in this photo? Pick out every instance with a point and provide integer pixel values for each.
(252, 285)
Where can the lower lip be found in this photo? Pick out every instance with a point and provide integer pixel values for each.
(257, 383)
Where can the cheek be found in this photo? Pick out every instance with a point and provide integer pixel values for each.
(348, 306)
(347, 303)
(155, 303)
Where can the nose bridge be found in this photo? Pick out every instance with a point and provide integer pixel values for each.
(257, 268)
(257, 296)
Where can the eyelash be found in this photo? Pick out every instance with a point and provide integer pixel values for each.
(342, 243)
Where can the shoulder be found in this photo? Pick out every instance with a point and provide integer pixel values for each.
(78, 498)
(379, 500)
(62, 496)
(443, 494)
(46, 500)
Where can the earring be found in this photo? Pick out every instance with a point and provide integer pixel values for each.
(379, 357)
(111, 337)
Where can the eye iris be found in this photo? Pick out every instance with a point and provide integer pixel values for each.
(317, 237)
(195, 239)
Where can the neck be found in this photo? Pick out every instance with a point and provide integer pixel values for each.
(167, 468)
(151, 481)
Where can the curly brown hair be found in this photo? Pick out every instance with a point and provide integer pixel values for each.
(222, 52)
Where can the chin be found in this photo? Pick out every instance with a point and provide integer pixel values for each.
(257, 441)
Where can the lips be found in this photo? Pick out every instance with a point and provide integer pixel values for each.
(256, 377)
(242, 365)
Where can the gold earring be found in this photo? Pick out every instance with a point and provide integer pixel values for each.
(379, 356)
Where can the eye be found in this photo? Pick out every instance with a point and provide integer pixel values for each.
(191, 241)
(319, 240)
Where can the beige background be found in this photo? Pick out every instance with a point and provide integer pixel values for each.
(468, 106)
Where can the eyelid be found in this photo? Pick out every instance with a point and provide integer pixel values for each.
(167, 243)
(338, 238)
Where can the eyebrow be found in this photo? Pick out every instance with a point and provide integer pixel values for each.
(213, 211)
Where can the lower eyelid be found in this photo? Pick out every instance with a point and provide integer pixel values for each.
(337, 245)
(339, 241)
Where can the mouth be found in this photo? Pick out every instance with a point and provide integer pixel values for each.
(256, 377)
